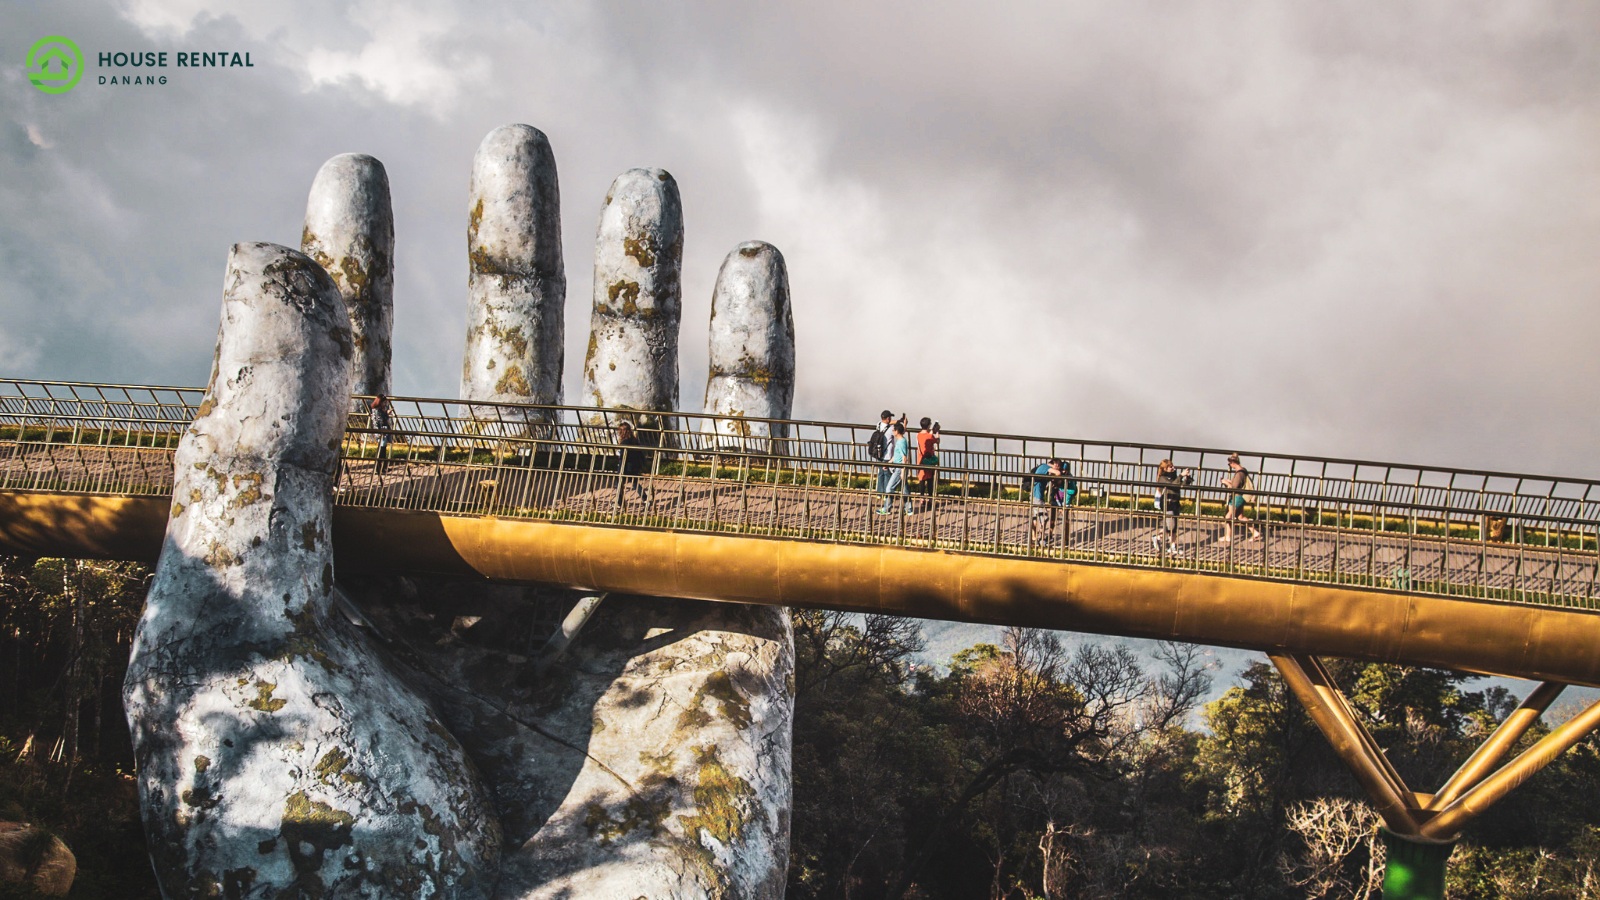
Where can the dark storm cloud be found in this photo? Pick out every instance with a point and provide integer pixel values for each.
(1326, 229)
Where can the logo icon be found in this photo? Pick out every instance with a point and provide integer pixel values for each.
(54, 64)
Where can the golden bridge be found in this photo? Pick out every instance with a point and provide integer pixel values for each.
(1485, 572)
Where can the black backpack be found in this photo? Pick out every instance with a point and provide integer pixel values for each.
(877, 444)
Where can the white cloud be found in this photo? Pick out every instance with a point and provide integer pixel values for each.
(1304, 228)
(406, 59)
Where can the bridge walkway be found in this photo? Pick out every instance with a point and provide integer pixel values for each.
(1480, 571)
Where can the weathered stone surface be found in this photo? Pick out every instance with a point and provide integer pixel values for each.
(516, 284)
(349, 229)
(683, 710)
(31, 856)
(652, 759)
(752, 347)
(632, 361)
(277, 755)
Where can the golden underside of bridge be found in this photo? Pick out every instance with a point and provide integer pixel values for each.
(1293, 623)
(1516, 640)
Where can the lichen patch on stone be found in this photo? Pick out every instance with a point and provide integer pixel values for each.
(264, 700)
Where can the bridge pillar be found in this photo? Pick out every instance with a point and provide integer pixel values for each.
(1414, 869)
(1423, 828)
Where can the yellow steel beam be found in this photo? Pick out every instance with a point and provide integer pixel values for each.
(1524, 641)
(1449, 821)
(1490, 752)
(1323, 701)
(1329, 691)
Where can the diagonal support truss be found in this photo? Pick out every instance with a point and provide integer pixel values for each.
(1476, 786)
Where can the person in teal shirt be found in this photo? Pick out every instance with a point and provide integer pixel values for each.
(1052, 490)
(899, 455)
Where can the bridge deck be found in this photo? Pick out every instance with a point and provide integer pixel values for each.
(1480, 565)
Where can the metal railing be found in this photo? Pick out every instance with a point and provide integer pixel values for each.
(1488, 535)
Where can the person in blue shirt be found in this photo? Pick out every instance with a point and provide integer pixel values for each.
(1052, 490)
(899, 454)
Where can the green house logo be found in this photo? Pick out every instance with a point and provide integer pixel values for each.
(54, 65)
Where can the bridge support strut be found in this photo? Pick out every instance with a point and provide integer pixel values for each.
(1421, 829)
(568, 632)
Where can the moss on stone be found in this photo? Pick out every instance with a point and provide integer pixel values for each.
(720, 799)
(628, 293)
(482, 263)
(310, 830)
(302, 810)
(247, 490)
(332, 766)
(218, 557)
(648, 809)
(264, 700)
(640, 250)
(512, 338)
(200, 797)
(305, 642)
(352, 277)
(731, 705)
(287, 266)
(513, 382)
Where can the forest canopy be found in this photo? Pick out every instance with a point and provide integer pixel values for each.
(1026, 769)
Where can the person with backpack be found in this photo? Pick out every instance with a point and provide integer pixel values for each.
(631, 461)
(1048, 492)
(928, 458)
(899, 456)
(878, 447)
(1169, 500)
(1240, 483)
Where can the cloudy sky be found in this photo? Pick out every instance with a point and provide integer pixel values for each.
(1335, 228)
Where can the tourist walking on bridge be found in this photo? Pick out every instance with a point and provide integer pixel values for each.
(928, 458)
(1051, 490)
(899, 457)
(631, 457)
(1169, 500)
(380, 418)
(878, 447)
(1240, 483)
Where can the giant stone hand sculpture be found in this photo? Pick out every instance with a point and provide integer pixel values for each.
(277, 755)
